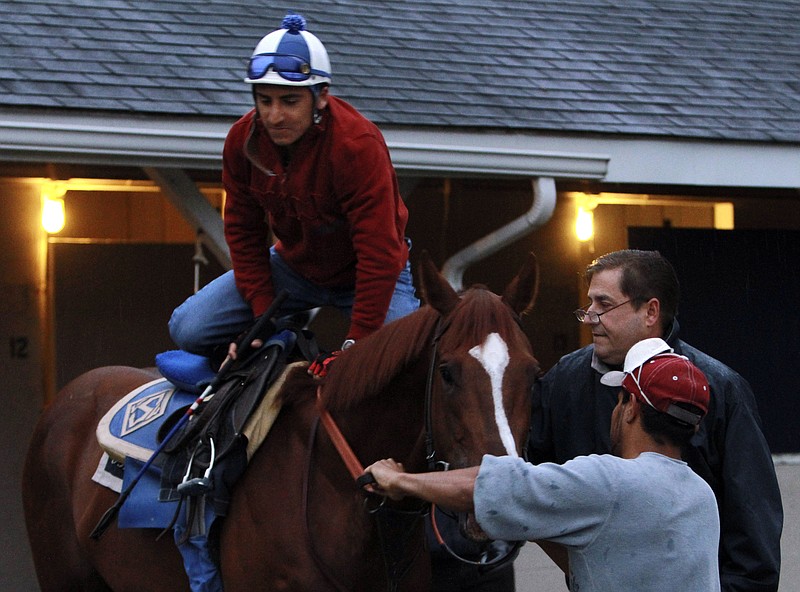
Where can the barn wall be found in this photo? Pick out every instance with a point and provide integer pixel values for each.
(22, 383)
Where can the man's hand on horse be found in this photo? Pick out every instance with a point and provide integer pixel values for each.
(319, 367)
(386, 474)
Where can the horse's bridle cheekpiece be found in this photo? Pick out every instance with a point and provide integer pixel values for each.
(443, 465)
(362, 479)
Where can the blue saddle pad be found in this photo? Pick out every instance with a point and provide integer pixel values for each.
(130, 428)
(143, 509)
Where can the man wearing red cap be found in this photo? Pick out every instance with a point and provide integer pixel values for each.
(638, 520)
(633, 295)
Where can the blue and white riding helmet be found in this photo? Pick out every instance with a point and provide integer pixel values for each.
(290, 56)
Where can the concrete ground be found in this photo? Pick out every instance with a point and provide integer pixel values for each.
(536, 573)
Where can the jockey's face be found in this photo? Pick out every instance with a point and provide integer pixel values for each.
(287, 111)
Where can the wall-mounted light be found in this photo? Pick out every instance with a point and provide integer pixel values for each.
(584, 225)
(584, 219)
(53, 211)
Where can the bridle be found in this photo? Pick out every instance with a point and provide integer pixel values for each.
(430, 450)
(361, 479)
(443, 465)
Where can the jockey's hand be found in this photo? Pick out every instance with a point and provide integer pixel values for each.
(319, 367)
(232, 348)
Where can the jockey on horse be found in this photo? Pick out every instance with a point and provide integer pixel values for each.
(307, 168)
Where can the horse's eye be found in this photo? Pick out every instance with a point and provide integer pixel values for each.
(447, 376)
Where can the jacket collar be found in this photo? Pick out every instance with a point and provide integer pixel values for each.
(257, 138)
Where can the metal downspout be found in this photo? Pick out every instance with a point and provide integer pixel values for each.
(544, 202)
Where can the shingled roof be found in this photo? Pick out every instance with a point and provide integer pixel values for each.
(699, 69)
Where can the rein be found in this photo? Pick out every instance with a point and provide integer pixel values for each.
(356, 469)
(393, 524)
(306, 488)
(352, 463)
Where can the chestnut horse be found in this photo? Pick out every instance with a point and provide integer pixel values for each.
(296, 520)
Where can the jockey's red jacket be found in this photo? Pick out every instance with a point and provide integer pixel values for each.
(335, 211)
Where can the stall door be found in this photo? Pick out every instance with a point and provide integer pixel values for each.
(741, 304)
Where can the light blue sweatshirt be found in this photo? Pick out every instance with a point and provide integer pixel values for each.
(648, 524)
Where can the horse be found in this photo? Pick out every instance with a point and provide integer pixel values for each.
(445, 384)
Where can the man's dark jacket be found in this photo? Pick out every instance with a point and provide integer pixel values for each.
(572, 417)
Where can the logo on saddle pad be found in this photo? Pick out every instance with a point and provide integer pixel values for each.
(140, 413)
(130, 428)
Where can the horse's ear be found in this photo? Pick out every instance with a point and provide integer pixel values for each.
(434, 289)
(521, 292)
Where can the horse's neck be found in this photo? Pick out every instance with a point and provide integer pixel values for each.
(391, 423)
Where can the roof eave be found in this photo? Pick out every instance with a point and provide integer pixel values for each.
(159, 141)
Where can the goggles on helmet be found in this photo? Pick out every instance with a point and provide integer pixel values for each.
(290, 67)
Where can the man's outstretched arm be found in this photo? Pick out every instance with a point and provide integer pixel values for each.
(449, 489)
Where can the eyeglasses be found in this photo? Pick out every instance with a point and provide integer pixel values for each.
(594, 317)
(290, 67)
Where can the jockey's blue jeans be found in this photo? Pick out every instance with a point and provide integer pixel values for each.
(217, 313)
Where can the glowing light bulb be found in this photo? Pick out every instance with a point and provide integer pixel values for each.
(53, 212)
(584, 224)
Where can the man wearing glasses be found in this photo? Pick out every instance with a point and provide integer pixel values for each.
(636, 520)
(633, 295)
(306, 169)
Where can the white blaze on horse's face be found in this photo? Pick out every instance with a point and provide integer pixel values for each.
(493, 356)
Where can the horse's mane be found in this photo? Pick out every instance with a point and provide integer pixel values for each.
(367, 367)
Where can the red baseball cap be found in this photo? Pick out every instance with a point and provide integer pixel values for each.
(660, 378)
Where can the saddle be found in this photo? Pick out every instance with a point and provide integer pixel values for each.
(208, 455)
(204, 444)
(211, 451)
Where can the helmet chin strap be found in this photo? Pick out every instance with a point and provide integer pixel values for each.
(315, 92)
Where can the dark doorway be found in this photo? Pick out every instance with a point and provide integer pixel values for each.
(740, 302)
(113, 301)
